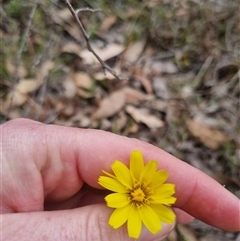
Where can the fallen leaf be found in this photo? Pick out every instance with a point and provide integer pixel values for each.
(103, 76)
(11, 68)
(134, 128)
(186, 233)
(71, 47)
(146, 83)
(143, 116)
(73, 30)
(210, 137)
(43, 71)
(61, 16)
(108, 22)
(82, 80)
(135, 96)
(166, 67)
(18, 95)
(106, 53)
(70, 87)
(84, 93)
(160, 87)
(134, 51)
(120, 121)
(110, 105)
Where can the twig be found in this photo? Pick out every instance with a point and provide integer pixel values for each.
(202, 71)
(85, 35)
(20, 51)
(87, 10)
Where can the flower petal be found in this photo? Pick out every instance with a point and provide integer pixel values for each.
(112, 184)
(119, 216)
(134, 223)
(166, 189)
(162, 194)
(136, 164)
(109, 174)
(117, 200)
(164, 213)
(150, 219)
(123, 174)
(159, 178)
(166, 201)
(148, 171)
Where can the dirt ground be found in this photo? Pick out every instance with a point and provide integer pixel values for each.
(173, 80)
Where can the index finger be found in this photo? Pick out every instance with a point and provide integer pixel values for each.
(197, 194)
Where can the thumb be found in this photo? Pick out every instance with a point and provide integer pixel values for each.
(80, 224)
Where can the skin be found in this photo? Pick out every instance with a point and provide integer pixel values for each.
(49, 188)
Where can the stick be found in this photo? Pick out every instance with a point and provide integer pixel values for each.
(85, 35)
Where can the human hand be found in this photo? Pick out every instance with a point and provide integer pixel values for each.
(43, 195)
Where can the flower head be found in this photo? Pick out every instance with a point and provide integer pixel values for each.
(140, 195)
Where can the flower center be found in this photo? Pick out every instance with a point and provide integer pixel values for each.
(138, 195)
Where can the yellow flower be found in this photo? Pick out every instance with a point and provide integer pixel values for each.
(140, 195)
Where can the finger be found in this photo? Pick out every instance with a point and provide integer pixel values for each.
(67, 156)
(183, 217)
(81, 224)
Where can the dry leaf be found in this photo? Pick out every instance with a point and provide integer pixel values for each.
(18, 95)
(160, 87)
(135, 96)
(210, 137)
(82, 80)
(146, 83)
(167, 67)
(73, 30)
(121, 121)
(134, 128)
(106, 53)
(110, 105)
(44, 70)
(70, 88)
(71, 47)
(103, 76)
(64, 14)
(186, 233)
(142, 115)
(61, 16)
(108, 22)
(11, 68)
(84, 93)
(134, 51)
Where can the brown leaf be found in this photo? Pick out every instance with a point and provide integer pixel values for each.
(82, 80)
(71, 47)
(21, 72)
(44, 70)
(142, 115)
(106, 53)
(146, 83)
(210, 137)
(167, 67)
(134, 51)
(186, 233)
(19, 94)
(108, 22)
(135, 96)
(103, 76)
(110, 105)
(70, 87)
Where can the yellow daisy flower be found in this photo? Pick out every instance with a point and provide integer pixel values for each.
(140, 195)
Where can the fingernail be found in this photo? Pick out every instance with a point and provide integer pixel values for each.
(146, 235)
